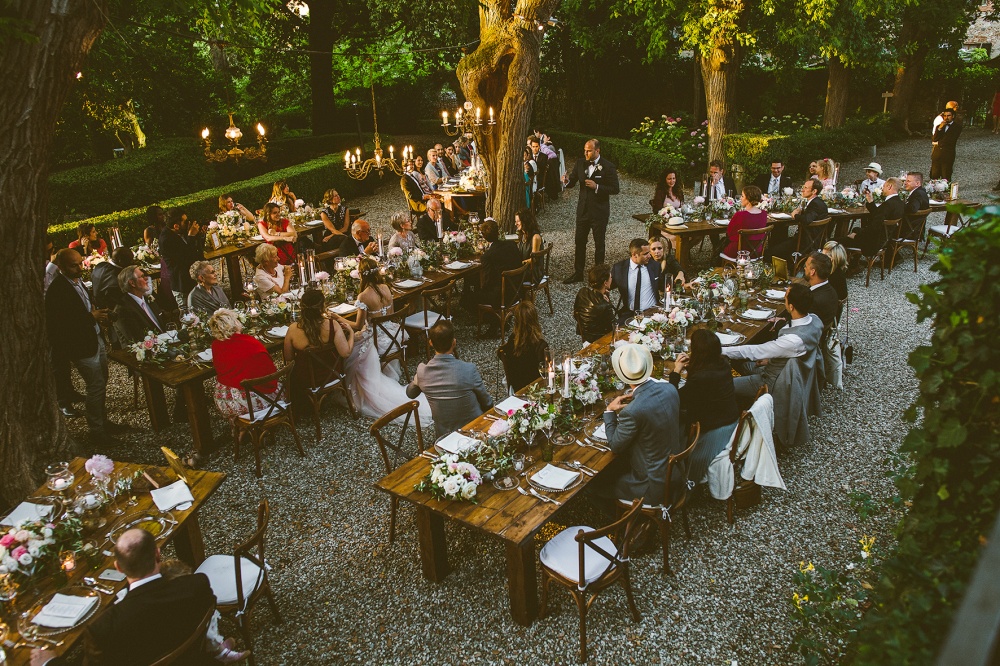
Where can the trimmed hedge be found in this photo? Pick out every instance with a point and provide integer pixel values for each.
(628, 156)
(309, 181)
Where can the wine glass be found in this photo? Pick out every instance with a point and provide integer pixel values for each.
(172, 331)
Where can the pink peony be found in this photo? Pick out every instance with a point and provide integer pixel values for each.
(213, 225)
(355, 274)
(100, 467)
(395, 251)
(699, 200)
(322, 275)
(18, 552)
(148, 343)
(6, 540)
(498, 428)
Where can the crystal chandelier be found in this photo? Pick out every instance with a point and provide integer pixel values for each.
(466, 121)
(235, 153)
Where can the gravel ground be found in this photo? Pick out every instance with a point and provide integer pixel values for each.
(347, 596)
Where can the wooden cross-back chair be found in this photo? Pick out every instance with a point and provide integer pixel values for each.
(757, 248)
(394, 453)
(435, 305)
(393, 339)
(191, 645)
(810, 237)
(323, 371)
(538, 276)
(257, 423)
(511, 289)
(911, 231)
(745, 493)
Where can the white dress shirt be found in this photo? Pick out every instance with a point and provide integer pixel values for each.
(647, 296)
(140, 583)
(814, 287)
(784, 346)
(719, 189)
(591, 168)
(868, 186)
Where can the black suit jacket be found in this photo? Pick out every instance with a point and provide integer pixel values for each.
(179, 252)
(133, 323)
(916, 200)
(619, 280)
(594, 206)
(542, 161)
(413, 193)
(149, 622)
(427, 229)
(727, 183)
(503, 255)
(815, 210)
(105, 291)
(765, 179)
(872, 235)
(825, 304)
(70, 325)
(944, 141)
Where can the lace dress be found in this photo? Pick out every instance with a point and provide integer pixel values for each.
(377, 390)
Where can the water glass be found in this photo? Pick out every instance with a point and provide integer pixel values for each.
(518, 461)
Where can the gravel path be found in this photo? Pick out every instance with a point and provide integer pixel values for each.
(347, 596)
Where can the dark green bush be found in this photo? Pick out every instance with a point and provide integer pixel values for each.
(628, 156)
(953, 483)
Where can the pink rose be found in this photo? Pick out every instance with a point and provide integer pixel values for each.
(18, 552)
(6, 540)
(213, 225)
(395, 251)
(355, 274)
(498, 428)
(322, 275)
(148, 343)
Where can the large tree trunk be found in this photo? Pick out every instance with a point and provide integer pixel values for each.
(698, 106)
(913, 48)
(718, 70)
(321, 40)
(837, 88)
(37, 74)
(503, 73)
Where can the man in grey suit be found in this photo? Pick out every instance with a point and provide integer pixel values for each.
(454, 388)
(643, 429)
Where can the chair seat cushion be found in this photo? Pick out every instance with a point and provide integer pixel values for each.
(221, 572)
(416, 320)
(562, 555)
(260, 414)
(943, 230)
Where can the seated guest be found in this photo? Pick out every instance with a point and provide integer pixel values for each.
(404, 238)
(637, 279)
(415, 188)
(838, 276)
(270, 278)
(526, 347)
(335, 215)
(872, 236)
(814, 209)
(813, 169)
(707, 397)
(51, 270)
(359, 242)
(427, 223)
(207, 296)
(917, 200)
(464, 151)
(88, 242)
(314, 329)
(592, 310)
(237, 357)
(181, 244)
(774, 182)
(719, 185)
(541, 160)
(826, 173)
(156, 221)
(661, 252)
(104, 278)
(137, 315)
(435, 171)
(749, 217)
(764, 362)
(501, 255)
(227, 205)
(282, 195)
(642, 429)
(872, 181)
(121, 634)
(454, 388)
(669, 191)
(451, 160)
(825, 303)
(278, 231)
(529, 237)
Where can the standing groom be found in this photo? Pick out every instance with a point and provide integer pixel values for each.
(600, 180)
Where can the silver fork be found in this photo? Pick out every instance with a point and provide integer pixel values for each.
(92, 582)
(576, 464)
(527, 494)
(593, 445)
(544, 498)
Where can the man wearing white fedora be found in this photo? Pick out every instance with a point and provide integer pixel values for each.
(873, 179)
(643, 429)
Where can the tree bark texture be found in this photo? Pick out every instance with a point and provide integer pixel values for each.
(698, 106)
(322, 37)
(503, 72)
(718, 70)
(37, 74)
(913, 49)
(837, 88)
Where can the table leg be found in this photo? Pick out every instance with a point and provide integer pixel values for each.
(446, 201)
(188, 542)
(198, 417)
(235, 275)
(156, 404)
(433, 545)
(683, 249)
(521, 583)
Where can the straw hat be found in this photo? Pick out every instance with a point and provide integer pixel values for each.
(632, 363)
(874, 166)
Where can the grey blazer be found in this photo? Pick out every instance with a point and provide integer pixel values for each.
(647, 430)
(454, 389)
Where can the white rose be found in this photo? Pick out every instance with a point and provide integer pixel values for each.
(25, 560)
(22, 535)
(787, 191)
(468, 490)
(451, 485)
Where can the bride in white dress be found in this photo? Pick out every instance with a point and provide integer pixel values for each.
(376, 390)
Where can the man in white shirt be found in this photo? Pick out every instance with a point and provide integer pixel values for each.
(775, 181)
(637, 279)
(872, 181)
(435, 170)
(719, 184)
(764, 362)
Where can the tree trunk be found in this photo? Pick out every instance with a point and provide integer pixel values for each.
(37, 75)
(837, 87)
(913, 49)
(718, 69)
(698, 106)
(503, 72)
(321, 40)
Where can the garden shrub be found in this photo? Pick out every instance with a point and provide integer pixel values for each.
(683, 140)
(953, 481)
(626, 155)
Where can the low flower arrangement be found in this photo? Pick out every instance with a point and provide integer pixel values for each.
(938, 186)
(31, 549)
(153, 349)
(231, 228)
(583, 386)
(457, 243)
(146, 254)
(451, 478)
(786, 203)
(723, 207)
(536, 415)
(846, 198)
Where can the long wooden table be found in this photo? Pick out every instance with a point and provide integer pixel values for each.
(186, 538)
(508, 515)
(189, 378)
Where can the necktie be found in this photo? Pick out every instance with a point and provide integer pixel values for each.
(637, 299)
(149, 313)
(774, 186)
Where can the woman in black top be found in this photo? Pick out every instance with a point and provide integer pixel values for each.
(838, 276)
(707, 397)
(593, 311)
(525, 349)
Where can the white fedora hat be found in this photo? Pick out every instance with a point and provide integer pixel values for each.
(874, 166)
(632, 363)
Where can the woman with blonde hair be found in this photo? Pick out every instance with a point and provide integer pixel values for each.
(526, 348)
(404, 238)
(269, 278)
(662, 251)
(826, 171)
(236, 357)
(838, 275)
(335, 215)
(282, 195)
(226, 204)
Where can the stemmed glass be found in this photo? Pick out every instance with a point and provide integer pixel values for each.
(172, 331)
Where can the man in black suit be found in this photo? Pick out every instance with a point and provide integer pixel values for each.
(413, 189)
(359, 241)
(599, 179)
(137, 314)
(105, 278)
(814, 209)
(637, 279)
(917, 200)
(872, 235)
(825, 303)
(156, 616)
(943, 152)
(181, 244)
(73, 325)
(541, 162)
(427, 223)
(719, 184)
(774, 182)
(502, 255)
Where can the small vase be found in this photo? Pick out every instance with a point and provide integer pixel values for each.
(547, 449)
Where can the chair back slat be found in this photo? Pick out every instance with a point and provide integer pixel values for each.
(323, 365)
(191, 643)
(252, 387)
(394, 453)
(252, 549)
(539, 265)
(512, 284)
(760, 244)
(681, 460)
(394, 338)
(813, 235)
(912, 227)
(621, 532)
(437, 300)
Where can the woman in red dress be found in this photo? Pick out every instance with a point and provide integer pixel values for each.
(751, 217)
(237, 356)
(88, 242)
(279, 232)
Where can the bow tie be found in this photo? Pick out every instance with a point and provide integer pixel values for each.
(593, 163)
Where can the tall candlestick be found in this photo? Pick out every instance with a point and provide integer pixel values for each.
(311, 265)
(302, 271)
(552, 376)
(567, 365)
(666, 298)
(440, 228)
(491, 115)
(380, 244)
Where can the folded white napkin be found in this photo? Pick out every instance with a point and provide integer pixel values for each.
(26, 511)
(722, 223)
(727, 339)
(64, 610)
(343, 308)
(205, 355)
(781, 216)
(775, 293)
(757, 314)
(408, 284)
(314, 223)
(457, 265)
(639, 324)
(554, 477)
(456, 443)
(167, 337)
(277, 331)
(936, 202)
(174, 496)
(599, 433)
(258, 237)
(835, 210)
(512, 403)
(512, 237)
